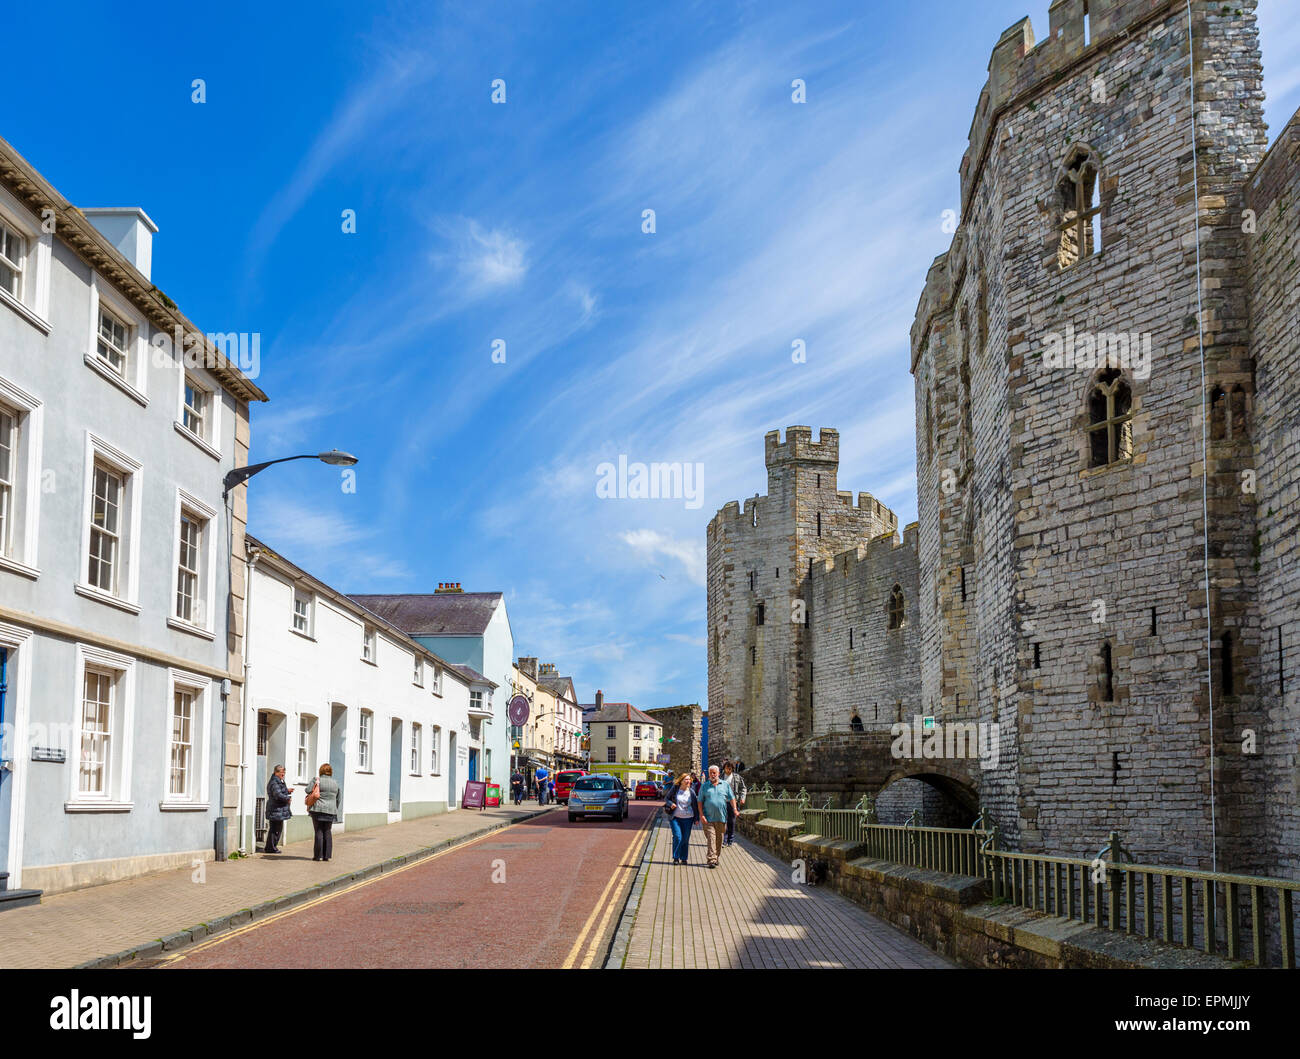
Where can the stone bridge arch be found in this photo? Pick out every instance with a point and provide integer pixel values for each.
(842, 766)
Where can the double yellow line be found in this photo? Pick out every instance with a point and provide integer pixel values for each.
(605, 905)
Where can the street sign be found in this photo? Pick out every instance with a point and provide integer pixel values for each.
(519, 710)
(475, 794)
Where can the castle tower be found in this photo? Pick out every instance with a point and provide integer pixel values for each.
(1058, 352)
(762, 686)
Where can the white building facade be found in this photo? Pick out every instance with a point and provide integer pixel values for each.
(118, 664)
(328, 681)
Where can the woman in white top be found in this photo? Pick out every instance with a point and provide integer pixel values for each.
(683, 809)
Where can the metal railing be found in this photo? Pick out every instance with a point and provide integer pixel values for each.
(787, 809)
(1241, 917)
(757, 797)
(1244, 918)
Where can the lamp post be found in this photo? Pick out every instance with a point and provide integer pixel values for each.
(241, 474)
(237, 476)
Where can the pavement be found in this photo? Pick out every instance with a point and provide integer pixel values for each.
(544, 893)
(748, 912)
(78, 926)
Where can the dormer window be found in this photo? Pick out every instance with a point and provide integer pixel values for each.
(1078, 191)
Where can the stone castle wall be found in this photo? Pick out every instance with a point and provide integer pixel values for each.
(861, 667)
(1274, 249)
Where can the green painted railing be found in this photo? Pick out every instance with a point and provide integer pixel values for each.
(1245, 918)
(757, 797)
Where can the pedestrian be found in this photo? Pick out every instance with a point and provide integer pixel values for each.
(738, 790)
(550, 792)
(325, 808)
(682, 808)
(543, 774)
(517, 787)
(278, 795)
(715, 795)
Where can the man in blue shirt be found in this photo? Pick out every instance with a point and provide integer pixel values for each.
(715, 797)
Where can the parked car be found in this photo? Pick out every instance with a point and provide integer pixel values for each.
(647, 789)
(564, 783)
(598, 794)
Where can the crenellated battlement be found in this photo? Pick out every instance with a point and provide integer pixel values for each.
(800, 447)
(871, 553)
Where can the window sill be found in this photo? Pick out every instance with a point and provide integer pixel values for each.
(96, 363)
(197, 441)
(181, 625)
(183, 807)
(98, 807)
(1106, 468)
(364, 772)
(15, 567)
(100, 596)
(370, 663)
(37, 322)
(304, 635)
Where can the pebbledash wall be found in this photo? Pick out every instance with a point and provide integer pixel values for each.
(311, 691)
(1061, 597)
(72, 645)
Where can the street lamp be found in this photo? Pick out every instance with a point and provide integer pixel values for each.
(234, 477)
(241, 474)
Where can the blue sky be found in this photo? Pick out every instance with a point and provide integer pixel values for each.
(523, 222)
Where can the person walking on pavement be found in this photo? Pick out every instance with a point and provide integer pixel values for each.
(715, 795)
(277, 809)
(682, 808)
(543, 774)
(739, 790)
(324, 809)
(517, 787)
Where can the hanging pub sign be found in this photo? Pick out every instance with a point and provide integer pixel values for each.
(519, 710)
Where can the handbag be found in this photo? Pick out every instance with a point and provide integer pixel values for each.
(313, 795)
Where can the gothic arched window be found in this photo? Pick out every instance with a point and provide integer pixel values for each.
(1110, 419)
(1078, 192)
(897, 611)
(1238, 427)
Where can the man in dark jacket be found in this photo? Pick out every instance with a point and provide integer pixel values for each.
(277, 809)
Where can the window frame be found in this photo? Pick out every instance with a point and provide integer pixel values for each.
(20, 537)
(369, 644)
(33, 299)
(365, 736)
(297, 592)
(416, 748)
(189, 506)
(1079, 157)
(1112, 423)
(117, 784)
(127, 593)
(209, 438)
(17, 266)
(305, 748)
(195, 799)
(133, 378)
(435, 747)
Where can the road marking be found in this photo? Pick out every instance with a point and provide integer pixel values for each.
(578, 945)
(225, 936)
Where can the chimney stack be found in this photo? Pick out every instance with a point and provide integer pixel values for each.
(130, 230)
(600, 700)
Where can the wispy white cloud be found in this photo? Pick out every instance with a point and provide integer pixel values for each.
(483, 258)
(650, 544)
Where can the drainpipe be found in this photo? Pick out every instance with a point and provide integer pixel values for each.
(249, 563)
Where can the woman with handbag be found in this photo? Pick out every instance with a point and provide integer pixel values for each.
(324, 806)
(682, 808)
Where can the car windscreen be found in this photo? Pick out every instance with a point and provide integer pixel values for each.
(567, 777)
(591, 783)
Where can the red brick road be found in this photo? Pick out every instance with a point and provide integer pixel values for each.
(563, 887)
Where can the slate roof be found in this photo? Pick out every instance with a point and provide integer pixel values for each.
(619, 711)
(443, 614)
(471, 674)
